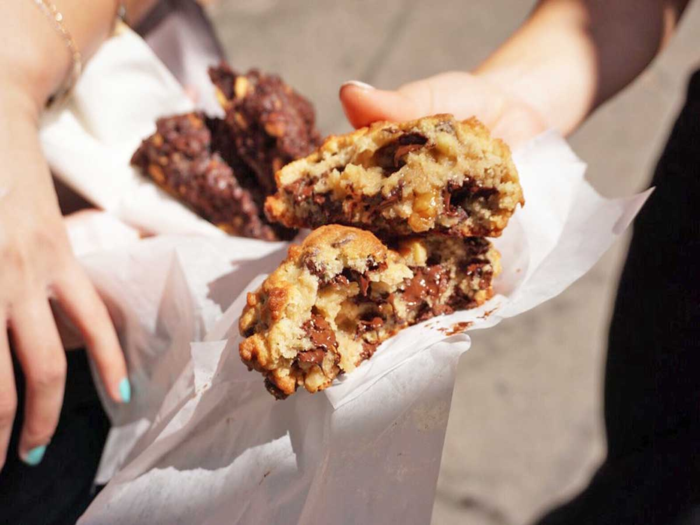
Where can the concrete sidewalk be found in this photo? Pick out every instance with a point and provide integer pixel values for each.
(525, 429)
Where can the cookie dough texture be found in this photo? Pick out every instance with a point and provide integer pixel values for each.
(342, 292)
(435, 174)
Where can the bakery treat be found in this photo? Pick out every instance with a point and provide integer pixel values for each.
(269, 123)
(435, 174)
(223, 144)
(179, 158)
(342, 292)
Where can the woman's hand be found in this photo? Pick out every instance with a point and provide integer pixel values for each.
(37, 265)
(462, 94)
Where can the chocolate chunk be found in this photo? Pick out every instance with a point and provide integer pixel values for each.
(364, 282)
(312, 356)
(476, 268)
(368, 350)
(437, 309)
(320, 333)
(379, 201)
(426, 283)
(274, 389)
(390, 157)
(340, 279)
(342, 242)
(315, 268)
(458, 195)
(361, 279)
(373, 325)
(301, 189)
(373, 265)
(414, 137)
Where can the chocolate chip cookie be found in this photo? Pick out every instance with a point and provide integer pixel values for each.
(342, 292)
(435, 174)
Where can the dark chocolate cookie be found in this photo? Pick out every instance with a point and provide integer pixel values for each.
(179, 158)
(270, 124)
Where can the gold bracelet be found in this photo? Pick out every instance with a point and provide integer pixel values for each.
(56, 19)
(121, 11)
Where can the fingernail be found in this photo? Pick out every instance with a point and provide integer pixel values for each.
(125, 390)
(34, 456)
(357, 83)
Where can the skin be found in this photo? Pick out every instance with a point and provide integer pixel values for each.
(568, 58)
(39, 270)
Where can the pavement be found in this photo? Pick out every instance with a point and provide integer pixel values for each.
(525, 428)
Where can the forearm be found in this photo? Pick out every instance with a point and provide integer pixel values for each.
(573, 55)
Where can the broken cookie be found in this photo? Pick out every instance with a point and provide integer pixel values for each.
(435, 174)
(342, 292)
(179, 158)
(269, 123)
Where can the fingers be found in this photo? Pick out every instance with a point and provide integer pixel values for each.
(463, 95)
(82, 304)
(458, 93)
(39, 351)
(8, 394)
(364, 104)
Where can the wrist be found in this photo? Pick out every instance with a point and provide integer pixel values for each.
(18, 102)
(35, 60)
(548, 64)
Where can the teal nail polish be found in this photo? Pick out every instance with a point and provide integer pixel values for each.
(125, 390)
(35, 455)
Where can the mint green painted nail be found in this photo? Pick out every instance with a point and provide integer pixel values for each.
(125, 390)
(35, 455)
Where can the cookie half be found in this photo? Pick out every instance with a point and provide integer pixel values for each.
(435, 174)
(342, 292)
(269, 123)
(179, 158)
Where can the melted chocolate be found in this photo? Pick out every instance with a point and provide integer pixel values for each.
(363, 281)
(316, 269)
(349, 276)
(368, 350)
(373, 325)
(426, 283)
(469, 190)
(301, 189)
(391, 156)
(320, 333)
(312, 356)
(457, 328)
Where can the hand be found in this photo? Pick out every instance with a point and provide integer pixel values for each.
(38, 265)
(462, 94)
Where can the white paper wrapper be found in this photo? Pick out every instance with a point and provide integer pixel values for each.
(202, 441)
(212, 446)
(90, 140)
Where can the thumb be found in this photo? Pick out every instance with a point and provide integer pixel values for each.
(364, 104)
(458, 93)
(461, 94)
